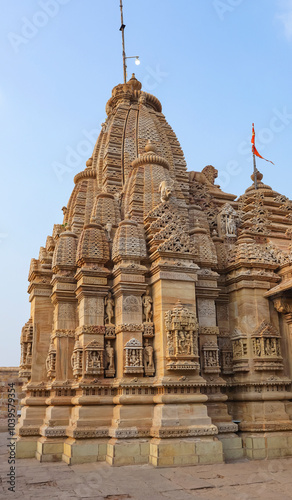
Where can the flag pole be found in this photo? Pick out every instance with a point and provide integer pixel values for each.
(254, 160)
(255, 172)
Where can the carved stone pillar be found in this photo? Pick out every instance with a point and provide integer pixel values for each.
(93, 403)
(283, 306)
(180, 409)
(258, 395)
(131, 418)
(207, 292)
(35, 346)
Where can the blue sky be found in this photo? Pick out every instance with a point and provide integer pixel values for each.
(216, 66)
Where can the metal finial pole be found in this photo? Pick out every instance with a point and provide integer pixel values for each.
(122, 29)
(254, 160)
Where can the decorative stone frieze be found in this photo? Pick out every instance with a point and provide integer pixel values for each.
(129, 328)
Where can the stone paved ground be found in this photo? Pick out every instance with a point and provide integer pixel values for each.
(267, 480)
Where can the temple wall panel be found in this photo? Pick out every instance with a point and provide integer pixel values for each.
(42, 316)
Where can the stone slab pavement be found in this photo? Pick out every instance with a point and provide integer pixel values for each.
(245, 480)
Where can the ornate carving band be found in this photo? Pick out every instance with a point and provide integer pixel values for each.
(208, 330)
(127, 327)
(63, 333)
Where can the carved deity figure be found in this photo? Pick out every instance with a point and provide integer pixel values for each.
(257, 347)
(268, 347)
(188, 342)
(237, 349)
(110, 356)
(109, 308)
(134, 358)
(148, 355)
(271, 348)
(170, 347)
(211, 359)
(147, 305)
(118, 197)
(230, 226)
(228, 359)
(94, 360)
(108, 228)
(28, 353)
(165, 189)
(274, 347)
(181, 342)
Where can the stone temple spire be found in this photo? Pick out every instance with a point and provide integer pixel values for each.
(160, 305)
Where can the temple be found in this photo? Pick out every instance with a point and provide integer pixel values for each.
(161, 310)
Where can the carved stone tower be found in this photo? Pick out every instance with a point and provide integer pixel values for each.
(160, 310)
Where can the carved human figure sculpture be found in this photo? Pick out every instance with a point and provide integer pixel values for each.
(147, 305)
(148, 355)
(109, 308)
(230, 226)
(109, 356)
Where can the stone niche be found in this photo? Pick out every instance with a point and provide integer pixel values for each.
(227, 222)
(240, 351)
(182, 339)
(211, 357)
(266, 348)
(133, 357)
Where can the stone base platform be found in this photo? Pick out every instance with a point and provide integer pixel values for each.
(128, 452)
(26, 447)
(84, 450)
(159, 452)
(232, 447)
(259, 446)
(185, 451)
(49, 449)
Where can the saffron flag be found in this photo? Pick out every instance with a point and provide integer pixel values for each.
(254, 149)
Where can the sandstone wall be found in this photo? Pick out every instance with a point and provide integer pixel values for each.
(8, 375)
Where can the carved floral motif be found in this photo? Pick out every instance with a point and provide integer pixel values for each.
(131, 304)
